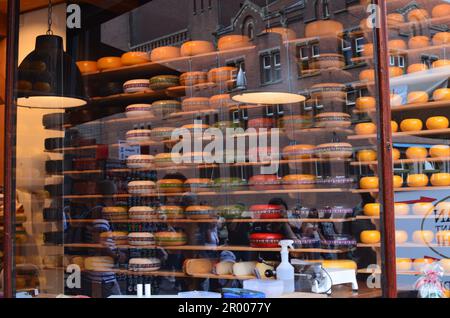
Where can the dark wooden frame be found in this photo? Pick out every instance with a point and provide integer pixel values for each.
(389, 278)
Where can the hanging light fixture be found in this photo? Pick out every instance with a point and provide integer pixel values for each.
(48, 77)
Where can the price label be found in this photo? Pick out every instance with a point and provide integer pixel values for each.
(126, 150)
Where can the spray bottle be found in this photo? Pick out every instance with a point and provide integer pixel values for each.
(285, 271)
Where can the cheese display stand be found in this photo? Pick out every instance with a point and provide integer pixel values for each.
(195, 152)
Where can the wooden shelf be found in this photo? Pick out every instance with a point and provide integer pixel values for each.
(405, 189)
(404, 273)
(148, 96)
(169, 66)
(175, 221)
(411, 107)
(248, 192)
(213, 248)
(435, 132)
(402, 161)
(405, 245)
(397, 217)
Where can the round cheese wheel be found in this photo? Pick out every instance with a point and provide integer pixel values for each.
(323, 28)
(417, 180)
(222, 74)
(369, 183)
(230, 42)
(367, 75)
(394, 19)
(441, 94)
(366, 155)
(401, 237)
(372, 209)
(396, 154)
(109, 63)
(396, 100)
(441, 10)
(440, 151)
(394, 126)
(401, 209)
(440, 179)
(441, 38)
(133, 58)
(423, 237)
(437, 122)
(366, 103)
(419, 263)
(395, 71)
(416, 153)
(418, 15)
(193, 48)
(368, 50)
(365, 129)
(398, 181)
(87, 66)
(165, 53)
(411, 124)
(397, 44)
(418, 67)
(441, 63)
(418, 97)
(404, 264)
(419, 42)
(422, 208)
(370, 237)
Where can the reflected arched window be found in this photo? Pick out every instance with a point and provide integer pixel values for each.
(249, 28)
(325, 9)
(321, 9)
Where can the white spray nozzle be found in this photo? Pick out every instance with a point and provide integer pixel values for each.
(286, 244)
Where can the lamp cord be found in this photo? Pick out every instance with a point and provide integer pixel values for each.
(50, 20)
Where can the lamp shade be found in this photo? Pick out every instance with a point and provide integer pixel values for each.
(49, 78)
(270, 98)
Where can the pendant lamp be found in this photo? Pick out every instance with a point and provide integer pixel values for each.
(48, 76)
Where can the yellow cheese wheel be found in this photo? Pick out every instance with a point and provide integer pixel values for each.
(418, 15)
(365, 128)
(366, 103)
(397, 44)
(370, 237)
(368, 50)
(193, 48)
(419, 42)
(416, 153)
(441, 10)
(437, 122)
(422, 208)
(401, 209)
(87, 66)
(440, 151)
(230, 42)
(367, 75)
(366, 155)
(401, 237)
(372, 209)
(133, 58)
(441, 38)
(396, 154)
(222, 74)
(398, 181)
(417, 180)
(441, 94)
(342, 264)
(418, 67)
(395, 71)
(440, 179)
(165, 53)
(322, 28)
(423, 237)
(394, 126)
(394, 19)
(404, 264)
(418, 97)
(441, 63)
(106, 63)
(369, 183)
(411, 124)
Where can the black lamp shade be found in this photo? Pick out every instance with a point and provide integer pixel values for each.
(49, 78)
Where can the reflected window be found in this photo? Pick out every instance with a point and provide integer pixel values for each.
(270, 67)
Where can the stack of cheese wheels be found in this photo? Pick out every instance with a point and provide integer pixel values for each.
(197, 212)
(139, 110)
(170, 185)
(141, 187)
(117, 237)
(198, 184)
(162, 133)
(164, 108)
(230, 42)
(98, 263)
(193, 104)
(141, 239)
(295, 152)
(170, 238)
(193, 48)
(144, 264)
(115, 213)
(141, 213)
(299, 181)
(134, 58)
(106, 63)
(221, 101)
(87, 66)
(222, 74)
(164, 160)
(419, 42)
(138, 135)
(164, 81)
(336, 150)
(198, 266)
(165, 53)
(418, 15)
(136, 86)
(171, 212)
(193, 78)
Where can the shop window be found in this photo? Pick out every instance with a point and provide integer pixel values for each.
(392, 60)
(351, 97)
(274, 110)
(359, 45)
(249, 28)
(270, 67)
(315, 50)
(401, 61)
(238, 63)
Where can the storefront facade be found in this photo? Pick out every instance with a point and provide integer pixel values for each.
(177, 143)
